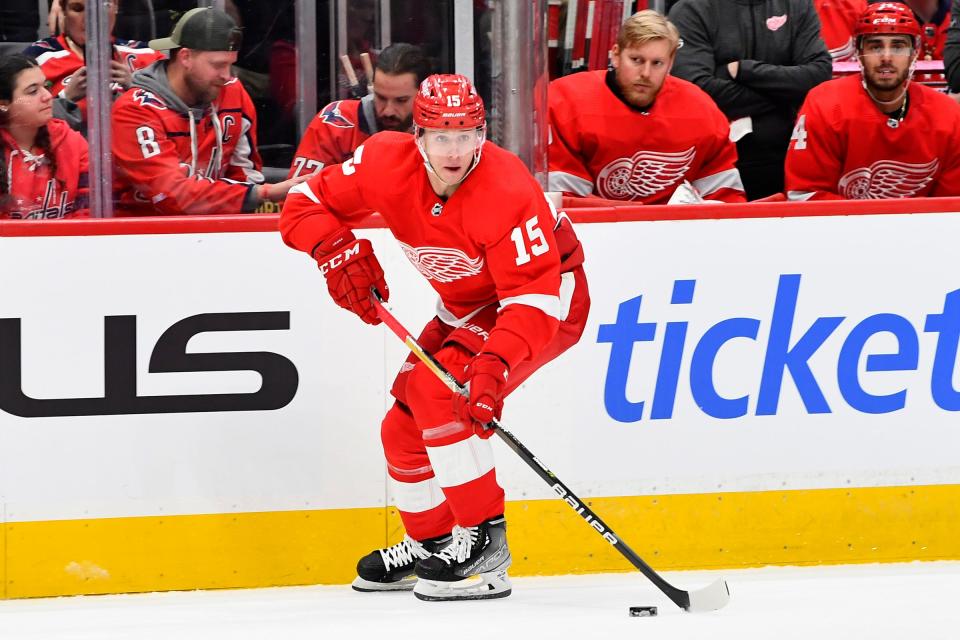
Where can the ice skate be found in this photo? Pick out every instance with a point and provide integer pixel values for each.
(392, 569)
(472, 567)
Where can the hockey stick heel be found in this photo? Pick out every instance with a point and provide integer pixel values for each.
(710, 598)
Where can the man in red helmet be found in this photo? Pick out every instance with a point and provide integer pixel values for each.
(877, 136)
(512, 297)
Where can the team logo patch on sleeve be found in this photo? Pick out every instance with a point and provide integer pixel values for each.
(147, 99)
(442, 264)
(332, 116)
(887, 179)
(643, 174)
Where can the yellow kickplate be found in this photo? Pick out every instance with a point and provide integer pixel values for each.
(825, 526)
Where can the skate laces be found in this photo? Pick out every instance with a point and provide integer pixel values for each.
(407, 551)
(460, 546)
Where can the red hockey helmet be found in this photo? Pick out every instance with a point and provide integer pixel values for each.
(887, 18)
(448, 101)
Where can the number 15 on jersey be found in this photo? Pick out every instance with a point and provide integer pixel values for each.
(533, 238)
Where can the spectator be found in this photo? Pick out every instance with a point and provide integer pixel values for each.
(951, 52)
(757, 59)
(19, 20)
(343, 125)
(184, 137)
(934, 19)
(63, 60)
(43, 163)
(136, 19)
(633, 132)
(837, 21)
(879, 136)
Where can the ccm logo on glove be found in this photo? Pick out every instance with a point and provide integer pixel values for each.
(351, 270)
(485, 380)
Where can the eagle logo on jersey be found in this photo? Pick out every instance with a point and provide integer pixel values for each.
(887, 179)
(331, 115)
(442, 264)
(147, 99)
(643, 174)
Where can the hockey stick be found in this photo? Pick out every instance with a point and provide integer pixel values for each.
(710, 598)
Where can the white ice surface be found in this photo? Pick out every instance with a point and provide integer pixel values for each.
(875, 602)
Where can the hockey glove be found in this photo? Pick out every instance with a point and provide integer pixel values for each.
(351, 269)
(486, 378)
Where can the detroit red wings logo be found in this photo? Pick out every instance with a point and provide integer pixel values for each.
(643, 174)
(775, 22)
(442, 264)
(887, 179)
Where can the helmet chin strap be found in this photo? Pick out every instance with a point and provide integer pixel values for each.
(418, 136)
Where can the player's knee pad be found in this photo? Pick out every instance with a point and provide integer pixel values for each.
(399, 433)
(429, 399)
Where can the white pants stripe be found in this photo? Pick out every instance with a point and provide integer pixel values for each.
(416, 497)
(459, 463)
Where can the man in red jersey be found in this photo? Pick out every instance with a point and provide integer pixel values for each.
(512, 296)
(838, 19)
(343, 125)
(637, 133)
(184, 136)
(63, 60)
(879, 136)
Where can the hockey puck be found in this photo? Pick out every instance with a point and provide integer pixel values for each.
(643, 612)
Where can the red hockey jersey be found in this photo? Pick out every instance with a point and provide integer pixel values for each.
(934, 36)
(30, 191)
(333, 135)
(844, 147)
(58, 62)
(837, 20)
(601, 146)
(171, 159)
(493, 240)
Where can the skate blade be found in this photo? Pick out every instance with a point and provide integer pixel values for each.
(368, 586)
(485, 586)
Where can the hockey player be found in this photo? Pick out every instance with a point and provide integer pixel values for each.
(184, 137)
(636, 133)
(43, 163)
(837, 21)
(343, 125)
(879, 135)
(512, 297)
(63, 60)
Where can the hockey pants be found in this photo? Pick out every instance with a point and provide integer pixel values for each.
(440, 472)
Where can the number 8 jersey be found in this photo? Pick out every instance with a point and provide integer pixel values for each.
(495, 240)
(173, 159)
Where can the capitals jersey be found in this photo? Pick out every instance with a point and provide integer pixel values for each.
(599, 145)
(837, 20)
(495, 239)
(168, 160)
(31, 192)
(58, 62)
(844, 147)
(338, 129)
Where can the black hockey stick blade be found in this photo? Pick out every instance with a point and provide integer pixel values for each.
(710, 598)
